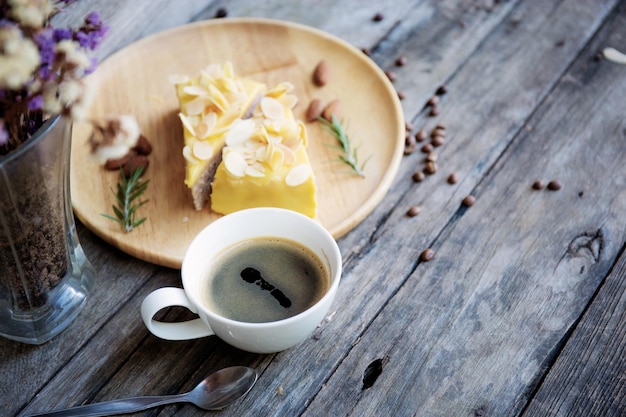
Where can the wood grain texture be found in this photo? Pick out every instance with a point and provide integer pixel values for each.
(135, 81)
(521, 311)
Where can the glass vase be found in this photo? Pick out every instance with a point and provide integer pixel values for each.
(45, 277)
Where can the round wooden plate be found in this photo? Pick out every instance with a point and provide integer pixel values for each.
(135, 81)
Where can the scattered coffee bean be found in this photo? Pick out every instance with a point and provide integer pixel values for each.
(401, 61)
(433, 101)
(538, 185)
(427, 255)
(401, 95)
(221, 12)
(453, 178)
(378, 17)
(430, 168)
(427, 148)
(431, 157)
(391, 75)
(413, 211)
(441, 90)
(469, 201)
(420, 136)
(437, 141)
(408, 126)
(418, 176)
(581, 194)
(409, 140)
(367, 51)
(409, 149)
(554, 185)
(434, 111)
(439, 130)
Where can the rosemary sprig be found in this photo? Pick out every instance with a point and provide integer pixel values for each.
(350, 156)
(128, 191)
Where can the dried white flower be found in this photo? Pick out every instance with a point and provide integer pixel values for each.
(30, 13)
(69, 52)
(114, 138)
(19, 57)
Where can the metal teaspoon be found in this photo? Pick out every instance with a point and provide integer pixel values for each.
(215, 392)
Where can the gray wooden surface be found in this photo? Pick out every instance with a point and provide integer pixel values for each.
(522, 311)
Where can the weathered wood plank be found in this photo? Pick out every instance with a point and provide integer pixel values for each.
(474, 330)
(588, 377)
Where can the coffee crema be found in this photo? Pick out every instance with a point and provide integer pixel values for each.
(263, 280)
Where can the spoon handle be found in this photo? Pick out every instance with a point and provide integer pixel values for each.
(129, 405)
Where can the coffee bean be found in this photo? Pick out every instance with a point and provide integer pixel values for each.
(469, 201)
(431, 157)
(367, 52)
(554, 185)
(408, 126)
(441, 90)
(437, 141)
(427, 148)
(427, 255)
(401, 95)
(430, 168)
(453, 178)
(409, 140)
(378, 17)
(538, 185)
(439, 130)
(413, 211)
(221, 12)
(401, 61)
(434, 111)
(418, 176)
(391, 75)
(433, 101)
(409, 149)
(420, 136)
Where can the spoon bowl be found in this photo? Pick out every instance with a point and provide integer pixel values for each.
(215, 392)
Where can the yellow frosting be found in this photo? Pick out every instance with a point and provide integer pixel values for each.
(264, 162)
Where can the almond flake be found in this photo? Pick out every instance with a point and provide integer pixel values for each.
(290, 156)
(254, 171)
(188, 155)
(218, 98)
(235, 164)
(276, 157)
(298, 175)
(272, 108)
(202, 151)
(289, 101)
(195, 106)
(614, 55)
(178, 79)
(195, 90)
(239, 132)
(187, 124)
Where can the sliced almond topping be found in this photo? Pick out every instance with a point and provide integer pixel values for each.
(211, 120)
(239, 132)
(178, 78)
(187, 124)
(195, 90)
(188, 155)
(235, 164)
(218, 98)
(195, 106)
(288, 100)
(280, 89)
(290, 156)
(272, 108)
(202, 151)
(256, 170)
(298, 175)
(276, 157)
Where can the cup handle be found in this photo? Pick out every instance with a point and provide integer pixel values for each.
(168, 297)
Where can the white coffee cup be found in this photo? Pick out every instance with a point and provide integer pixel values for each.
(207, 245)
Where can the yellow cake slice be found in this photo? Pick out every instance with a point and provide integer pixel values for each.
(265, 162)
(209, 103)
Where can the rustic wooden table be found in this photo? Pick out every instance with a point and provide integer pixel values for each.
(522, 310)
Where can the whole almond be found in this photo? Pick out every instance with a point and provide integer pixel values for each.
(332, 108)
(135, 162)
(321, 74)
(143, 146)
(117, 163)
(314, 110)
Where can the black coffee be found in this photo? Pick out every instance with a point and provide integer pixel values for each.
(265, 279)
